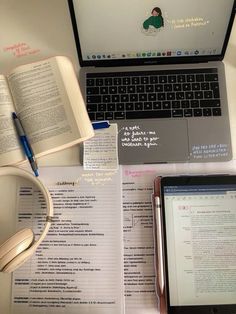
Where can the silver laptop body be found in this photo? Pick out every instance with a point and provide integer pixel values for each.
(180, 137)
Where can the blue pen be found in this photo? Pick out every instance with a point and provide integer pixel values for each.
(25, 144)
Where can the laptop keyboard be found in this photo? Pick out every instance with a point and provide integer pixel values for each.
(153, 94)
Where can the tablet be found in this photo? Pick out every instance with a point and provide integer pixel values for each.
(199, 240)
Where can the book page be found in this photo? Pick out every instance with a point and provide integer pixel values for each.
(139, 272)
(10, 151)
(45, 106)
(79, 266)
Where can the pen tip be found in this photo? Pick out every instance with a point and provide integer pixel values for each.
(36, 173)
(14, 115)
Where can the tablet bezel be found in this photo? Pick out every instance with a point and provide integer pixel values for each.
(187, 181)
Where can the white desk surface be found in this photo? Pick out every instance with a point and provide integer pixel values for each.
(44, 29)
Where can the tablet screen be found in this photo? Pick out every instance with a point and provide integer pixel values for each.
(200, 240)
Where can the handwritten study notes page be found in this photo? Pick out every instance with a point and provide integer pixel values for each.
(79, 266)
(139, 273)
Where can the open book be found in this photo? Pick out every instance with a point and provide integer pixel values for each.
(48, 101)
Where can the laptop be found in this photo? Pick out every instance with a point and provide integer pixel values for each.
(155, 69)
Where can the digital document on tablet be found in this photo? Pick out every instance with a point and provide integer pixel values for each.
(199, 225)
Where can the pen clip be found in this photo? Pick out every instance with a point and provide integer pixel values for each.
(159, 231)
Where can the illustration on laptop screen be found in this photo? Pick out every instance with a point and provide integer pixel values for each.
(137, 29)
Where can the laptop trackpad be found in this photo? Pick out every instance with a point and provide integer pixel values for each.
(153, 140)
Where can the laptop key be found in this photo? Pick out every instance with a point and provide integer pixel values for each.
(177, 113)
(172, 79)
(211, 77)
(198, 95)
(207, 112)
(158, 88)
(135, 80)
(117, 81)
(131, 89)
(129, 106)
(186, 86)
(115, 98)
(166, 105)
(147, 105)
(194, 103)
(99, 82)
(94, 99)
(149, 88)
(199, 77)
(208, 94)
(108, 81)
(153, 79)
(90, 82)
(215, 89)
(102, 107)
(205, 86)
(122, 89)
(190, 78)
(92, 108)
(163, 79)
(111, 107)
(195, 86)
(177, 87)
(124, 97)
(209, 103)
(176, 104)
(161, 96)
(170, 96)
(120, 107)
(197, 112)
(138, 106)
(104, 90)
(133, 97)
(119, 115)
(126, 81)
(144, 80)
(100, 116)
(180, 95)
(156, 105)
(189, 95)
(152, 97)
(148, 114)
(188, 113)
(109, 116)
(92, 90)
(181, 78)
(140, 89)
(113, 90)
(216, 112)
(142, 97)
(185, 104)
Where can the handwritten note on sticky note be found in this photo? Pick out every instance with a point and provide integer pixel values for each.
(100, 152)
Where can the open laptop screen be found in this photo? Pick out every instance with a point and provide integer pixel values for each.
(135, 29)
